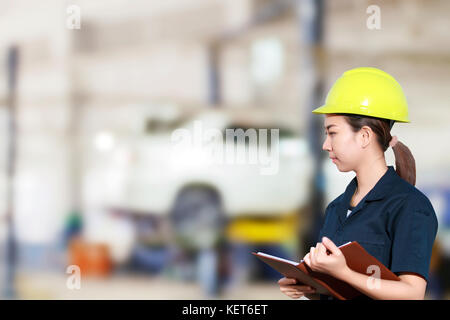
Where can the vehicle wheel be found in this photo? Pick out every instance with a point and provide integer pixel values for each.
(197, 218)
(198, 221)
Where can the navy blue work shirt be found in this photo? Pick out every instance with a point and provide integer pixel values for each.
(395, 222)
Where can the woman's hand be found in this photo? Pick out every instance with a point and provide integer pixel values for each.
(333, 264)
(290, 288)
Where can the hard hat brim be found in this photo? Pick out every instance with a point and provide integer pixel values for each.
(357, 110)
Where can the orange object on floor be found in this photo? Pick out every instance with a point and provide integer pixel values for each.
(93, 259)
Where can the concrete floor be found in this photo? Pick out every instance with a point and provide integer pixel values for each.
(53, 286)
(48, 285)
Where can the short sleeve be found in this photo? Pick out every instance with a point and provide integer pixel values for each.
(325, 219)
(415, 230)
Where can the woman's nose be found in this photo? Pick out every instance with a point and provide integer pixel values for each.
(326, 144)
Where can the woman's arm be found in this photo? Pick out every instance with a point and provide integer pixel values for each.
(410, 286)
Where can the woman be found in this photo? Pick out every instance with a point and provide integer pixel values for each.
(380, 208)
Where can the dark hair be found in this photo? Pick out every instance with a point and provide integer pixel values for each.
(405, 165)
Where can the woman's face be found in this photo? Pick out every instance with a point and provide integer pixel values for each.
(341, 143)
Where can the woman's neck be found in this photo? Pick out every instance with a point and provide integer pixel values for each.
(368, 175)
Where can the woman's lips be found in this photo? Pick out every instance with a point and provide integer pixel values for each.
(333, 159)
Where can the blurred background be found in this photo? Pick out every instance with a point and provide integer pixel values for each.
(91, 93)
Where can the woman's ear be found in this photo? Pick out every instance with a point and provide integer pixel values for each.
(366, 134)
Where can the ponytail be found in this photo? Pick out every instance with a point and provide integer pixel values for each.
(405, 165)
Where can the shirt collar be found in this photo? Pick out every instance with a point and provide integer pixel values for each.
(379, 191)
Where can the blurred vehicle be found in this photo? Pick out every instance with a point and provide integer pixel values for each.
(161, 172)
(179, 170)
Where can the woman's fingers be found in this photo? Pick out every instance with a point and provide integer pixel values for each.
(290, 288)
(307, 259)
(287, 281)
(312, 255)
(298, 289)
(301, 288)
(286, 289)
(296, 294)
(321, 249)
(293, 283)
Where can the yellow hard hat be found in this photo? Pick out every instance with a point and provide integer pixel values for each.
(368, 92)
